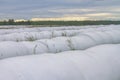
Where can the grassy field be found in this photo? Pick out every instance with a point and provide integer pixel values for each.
(59, 23)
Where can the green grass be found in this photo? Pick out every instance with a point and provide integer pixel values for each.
(60, 23)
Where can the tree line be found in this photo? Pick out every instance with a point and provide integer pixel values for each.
(59, 23)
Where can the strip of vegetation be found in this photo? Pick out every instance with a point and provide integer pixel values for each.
(59, 23)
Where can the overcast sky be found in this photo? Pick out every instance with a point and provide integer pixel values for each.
(91, 9)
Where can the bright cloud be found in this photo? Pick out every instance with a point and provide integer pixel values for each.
(28, 9)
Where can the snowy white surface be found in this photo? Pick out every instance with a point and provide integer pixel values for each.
(81, 41)
(32, 34)
(97, 63)
(70, 53)
(20, 29)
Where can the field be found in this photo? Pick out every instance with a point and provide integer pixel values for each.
(60, 53)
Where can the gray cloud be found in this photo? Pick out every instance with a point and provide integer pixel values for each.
(57, 8)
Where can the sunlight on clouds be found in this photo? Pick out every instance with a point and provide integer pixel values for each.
(78, 17)
(71, 10)
(99, 14)
(61, 19)
(63, 9)
(113, 18)
(19, 20)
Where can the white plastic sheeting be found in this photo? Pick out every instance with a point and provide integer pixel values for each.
(12, 49)
(59, 44)
(38, 29)
(111, 36)
(98, 63)
(32, 34)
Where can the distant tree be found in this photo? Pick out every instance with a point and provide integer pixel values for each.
(4, 22)
(11, 21)
(28, 22)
